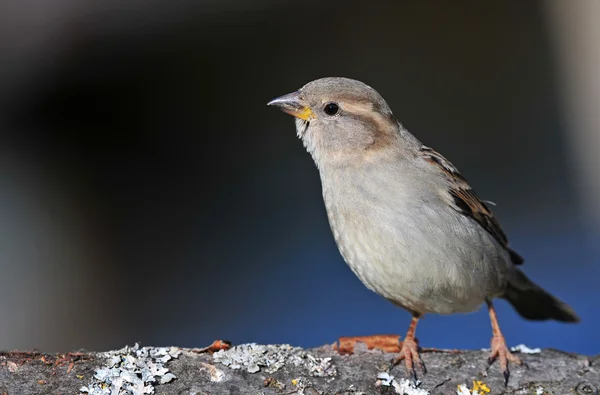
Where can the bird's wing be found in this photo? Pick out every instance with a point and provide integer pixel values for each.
(465, 200)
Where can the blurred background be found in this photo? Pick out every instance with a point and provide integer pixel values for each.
(148, 194)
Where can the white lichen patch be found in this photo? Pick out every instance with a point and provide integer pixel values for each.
(385, 379)
(522, 348)
(254, 357)
(317, 367)
(402, 386)
(463, 390)
(132, 371)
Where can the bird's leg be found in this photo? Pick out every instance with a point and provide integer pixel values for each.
(409, 352)
(499, 349)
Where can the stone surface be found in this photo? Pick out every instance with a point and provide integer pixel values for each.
(284, 370)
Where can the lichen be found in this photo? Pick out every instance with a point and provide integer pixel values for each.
(523, 349)
(402, 386)
(479, 388)
(270, 358)
(132, 371)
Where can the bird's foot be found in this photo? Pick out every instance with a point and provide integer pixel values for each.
(409, 352)
(502, 353)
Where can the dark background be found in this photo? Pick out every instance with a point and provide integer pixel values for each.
(148, 194)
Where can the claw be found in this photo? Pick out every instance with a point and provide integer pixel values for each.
(413, 377)
(506, 375)
(422, 364)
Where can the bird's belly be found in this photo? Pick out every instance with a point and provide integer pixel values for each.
(419, 265)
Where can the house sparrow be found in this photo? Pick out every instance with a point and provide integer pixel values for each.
(405, 220)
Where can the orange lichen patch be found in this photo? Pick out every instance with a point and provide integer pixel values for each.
(217, 345)
(220, 345)
(387, 343)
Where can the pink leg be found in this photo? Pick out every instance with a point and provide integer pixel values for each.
(499, 349)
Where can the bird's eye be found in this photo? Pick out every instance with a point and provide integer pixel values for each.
(331, 108)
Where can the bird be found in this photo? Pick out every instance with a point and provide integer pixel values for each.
(406, 221)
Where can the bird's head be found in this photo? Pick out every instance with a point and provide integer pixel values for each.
(340, 118)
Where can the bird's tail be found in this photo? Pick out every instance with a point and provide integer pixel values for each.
(533, 303)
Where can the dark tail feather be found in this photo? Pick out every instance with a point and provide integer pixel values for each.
(533, 303)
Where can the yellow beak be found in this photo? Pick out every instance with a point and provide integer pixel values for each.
(293, 105)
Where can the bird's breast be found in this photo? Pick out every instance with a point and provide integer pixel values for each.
(403, 243)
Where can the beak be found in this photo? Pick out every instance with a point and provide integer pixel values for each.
(293, 105)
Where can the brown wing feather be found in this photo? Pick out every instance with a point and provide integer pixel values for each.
(468, 203)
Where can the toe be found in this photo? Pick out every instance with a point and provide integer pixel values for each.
(513, 358)
(491, 361)
(396, 360)
(410, 355)
(412, 358)
(422, 364)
